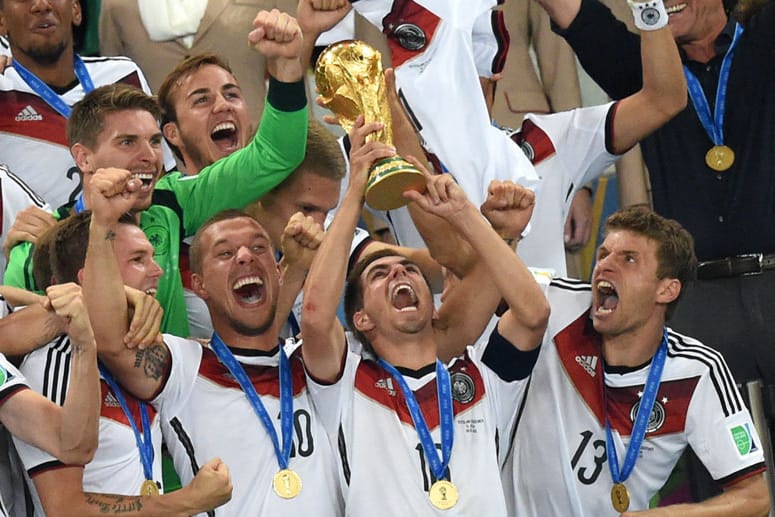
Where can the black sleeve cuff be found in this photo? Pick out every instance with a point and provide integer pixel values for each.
(508, 362)
(286, 96)
(589, 13)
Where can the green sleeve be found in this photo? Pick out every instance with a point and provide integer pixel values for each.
(18, 273)
(244, 176)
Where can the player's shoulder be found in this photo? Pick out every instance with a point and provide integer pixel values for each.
(694, 354)
(114, 69)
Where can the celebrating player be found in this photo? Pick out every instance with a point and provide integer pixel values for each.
(390, 412)
(617, 396)
(224, 399)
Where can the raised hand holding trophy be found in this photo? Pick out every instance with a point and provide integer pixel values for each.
(350, 82)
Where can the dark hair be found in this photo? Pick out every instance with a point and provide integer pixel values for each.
(69, 244)
(171, 83)
(87, 119)
(675, 251)
(195, 252)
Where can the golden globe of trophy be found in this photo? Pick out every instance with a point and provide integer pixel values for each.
(349, 79)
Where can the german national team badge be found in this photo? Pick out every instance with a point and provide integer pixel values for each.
(720, 158)
(462, 387)
(149, 487)
(287, 484)
(443, 494)
(656, 418)
(620, 497)
(410, 36)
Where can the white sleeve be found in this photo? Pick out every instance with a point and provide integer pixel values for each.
(579, 138)
(720, 428)
(334, 401)
(185, 357)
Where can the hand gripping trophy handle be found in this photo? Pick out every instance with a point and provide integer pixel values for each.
(349, 78)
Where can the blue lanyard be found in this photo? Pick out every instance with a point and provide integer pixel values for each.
(49, 95)
(286, 397)
(641, 419)
(80, 204)
(144, 441)
(444, 394)
(713, 124)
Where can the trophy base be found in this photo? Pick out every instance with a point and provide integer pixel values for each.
(389, 179)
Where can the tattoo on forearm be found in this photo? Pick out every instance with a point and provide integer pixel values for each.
(110, 236)
(114, 504)
(153, 361)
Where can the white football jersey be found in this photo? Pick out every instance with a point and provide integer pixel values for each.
(15, 196)
(116, 467)
(11, 382)
(33, 141)
(383, 467)
(558, 463)
(451, 116)
(568, 150)
(206, 415)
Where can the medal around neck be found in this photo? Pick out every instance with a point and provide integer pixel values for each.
(443, 494)
(720, 158)
(287, 484)
(620, 497)
(149, 487)
(349, 78)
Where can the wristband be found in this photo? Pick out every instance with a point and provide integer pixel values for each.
(649, 16)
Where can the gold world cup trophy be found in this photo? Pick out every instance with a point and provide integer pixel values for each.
(349, 78)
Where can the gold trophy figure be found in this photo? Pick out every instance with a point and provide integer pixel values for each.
(349, 78)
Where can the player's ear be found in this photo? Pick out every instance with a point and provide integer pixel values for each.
(77, 13)
(83, 157)
(172, 133)
(198, 286)
(668, 291)
(362, 321)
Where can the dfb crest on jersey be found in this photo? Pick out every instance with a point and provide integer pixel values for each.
(410, 36)
(656, 418)
(528, 149)
(158, 236)
(463, 389)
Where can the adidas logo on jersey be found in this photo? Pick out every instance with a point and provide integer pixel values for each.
(28, 114)
(588, 362)
(111, 401)
(386, 384)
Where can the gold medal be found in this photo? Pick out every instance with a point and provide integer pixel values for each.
(443, 495)
(149, 487)
(620, 497)
(720, 158)
(287, 484)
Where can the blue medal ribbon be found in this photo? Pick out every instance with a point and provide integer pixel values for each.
(144, 439)
(713, 123)
(444, 394)
(46, 93)
(641, 419)
(286, 398)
